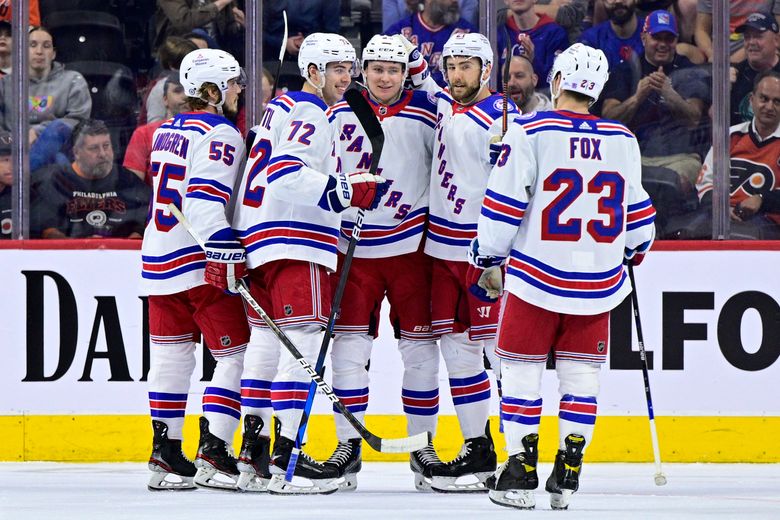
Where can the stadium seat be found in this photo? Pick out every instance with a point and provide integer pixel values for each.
(113, 90)
(86, 36)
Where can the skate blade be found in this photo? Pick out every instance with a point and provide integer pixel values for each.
(164, 481)
(302, 486)
(348, 482)
(422, 483)
(209, 477)
(474, 483)
(517, 498)
(251, 482)
(561, 500)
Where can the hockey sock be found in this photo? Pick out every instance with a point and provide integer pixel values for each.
(170, 368)
(579, 386)
(420, 390)
(469, 383)
(350, 355)
(260, 364)
(521, 403)
(222, 398)
(291, 386)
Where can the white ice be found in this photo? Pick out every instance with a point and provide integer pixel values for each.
(386, 491)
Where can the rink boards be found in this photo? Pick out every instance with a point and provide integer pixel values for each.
(73, 332)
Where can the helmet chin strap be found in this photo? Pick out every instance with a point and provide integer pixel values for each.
(319, 87)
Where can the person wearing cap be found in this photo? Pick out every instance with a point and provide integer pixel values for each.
(738, 13)
(760, 32)
(661, 99)
(139, 149)
(6, 180)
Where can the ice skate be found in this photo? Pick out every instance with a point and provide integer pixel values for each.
(422, 463)
(469, 470)
(171, 469)
(565, 477)
(215, 461)
(347, 461)
(310, 477)
(254, 457)
(514, 481)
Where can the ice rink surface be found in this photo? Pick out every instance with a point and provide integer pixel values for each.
(386, 491)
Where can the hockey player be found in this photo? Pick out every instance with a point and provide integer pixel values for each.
(389, 261)
(565, 208)
(469, 123)
(288, 220)
(194, 162)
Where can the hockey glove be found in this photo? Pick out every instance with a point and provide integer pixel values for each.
(636, 255)
(485, 277)
(418, 67)
(494, 149)
(358, 190)
(225, 259)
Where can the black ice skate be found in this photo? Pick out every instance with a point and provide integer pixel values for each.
(515, 479)
(565, 477)
(320, 479)
(469, 470)
(254, 457)
(171, 469)
(422, 463)
(347, 461)
(215, 462)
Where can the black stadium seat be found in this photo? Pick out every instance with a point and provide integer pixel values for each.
(86, 35)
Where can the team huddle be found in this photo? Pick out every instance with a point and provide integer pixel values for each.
(490, 233)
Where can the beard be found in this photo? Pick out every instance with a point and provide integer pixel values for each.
(620, 13)
(521, 97)
(441, 14)
(468, 96)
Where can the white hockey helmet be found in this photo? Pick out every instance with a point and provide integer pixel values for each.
(583, 69)
(319, 49)
(384, 48)
(209, 66)
(469, 45)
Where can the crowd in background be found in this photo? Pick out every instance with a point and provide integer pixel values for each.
(103, 75)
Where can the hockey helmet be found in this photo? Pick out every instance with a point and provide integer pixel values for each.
(319, 49)
(384, 48)
(469, 45)
(583, 69)
(209, 66)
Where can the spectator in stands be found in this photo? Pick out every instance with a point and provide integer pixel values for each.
(222, 20)
(6, 181)
(620, 37)
(755, 172)
(738, 13)
(430, 28)
(535, 35)
(32, 6)
(170, 53)
(522, 84)
(393, 11)
(201, 39)
(303, 18)
(59, 99)
(91, 197)
(662, 99)
(139, 148)
(760, 32)
(5, 48)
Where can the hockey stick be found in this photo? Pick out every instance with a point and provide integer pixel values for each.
(505, 81)
(660, 478)
(365, 114)
(398, 445)
(281, 55)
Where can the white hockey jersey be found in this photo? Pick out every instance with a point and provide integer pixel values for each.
(459, 175)
(277, 216)
(563, 202)
(195, 161)
(396, 227)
